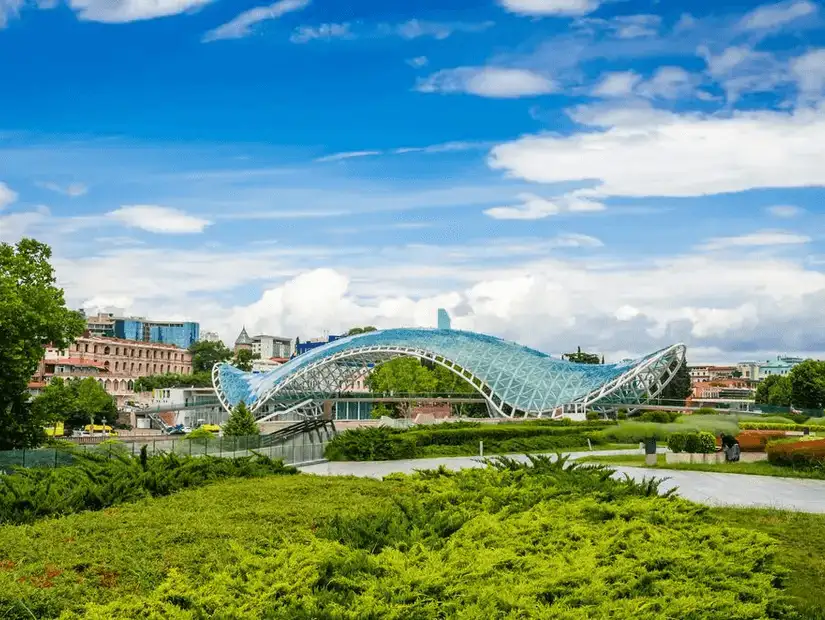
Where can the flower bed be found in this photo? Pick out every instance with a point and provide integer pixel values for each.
(801, 453)
(756, 441)
(765, 426)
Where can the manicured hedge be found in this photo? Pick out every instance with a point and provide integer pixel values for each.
(383, 443)
(660, 417)
(799, 454)
(756, 441)
(694, 443)
(764, 426)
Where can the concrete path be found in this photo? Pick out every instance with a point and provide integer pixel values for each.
(704, 487)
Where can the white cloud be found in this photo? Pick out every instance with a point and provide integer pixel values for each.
(9, 9)
(347, 155)
(14, 226)
(7, 196)
(773, 15)
(622, 26)
(741, 69)
(809, 73)
(153, 218)
(655, 153)
(494, 82)
(72, 190)
(617, 84)
(121, 11)
(305, 34)
(551, 7)
(535, 207)
(669, 83)
(241, 26)
(418, 62)
(759, 239)
(416, 28)
(785, 211)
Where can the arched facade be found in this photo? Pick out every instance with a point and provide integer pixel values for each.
(514, 380)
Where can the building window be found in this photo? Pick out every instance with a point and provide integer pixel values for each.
(154, 367)
(116, 365)
(106, 351)
(117, 350)
(140, 367)
(95, 349)
(132, 367)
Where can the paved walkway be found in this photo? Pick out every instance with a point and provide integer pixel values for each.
(705, 487)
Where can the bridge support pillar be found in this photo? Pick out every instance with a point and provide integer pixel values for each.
(329, 412)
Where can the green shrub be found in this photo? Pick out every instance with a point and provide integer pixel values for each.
(108, 479)
(378, 443)
(706, 443)
(660, 417)
(763, 426)
(706, 411)
(805, 454)
(593, 415)
(622, 414)
(677, 442)
(201, 435)
(546, 540)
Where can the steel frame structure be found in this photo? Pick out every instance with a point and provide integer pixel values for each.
(514, 381)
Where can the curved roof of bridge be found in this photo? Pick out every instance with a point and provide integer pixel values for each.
(524, 378)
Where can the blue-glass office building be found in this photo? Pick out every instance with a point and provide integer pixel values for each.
(182, 335)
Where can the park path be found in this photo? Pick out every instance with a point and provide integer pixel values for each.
(708, 488)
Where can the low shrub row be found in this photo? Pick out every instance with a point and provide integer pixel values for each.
(757, 440)
(764, 426)
(695, 443)
(98, 481)
(798, 454)
(383, 443)
(660, 417)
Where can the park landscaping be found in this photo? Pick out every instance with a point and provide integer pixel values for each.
(545, 540)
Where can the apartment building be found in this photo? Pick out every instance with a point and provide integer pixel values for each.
(115, 363)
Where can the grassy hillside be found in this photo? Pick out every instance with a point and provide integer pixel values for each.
(507, 543)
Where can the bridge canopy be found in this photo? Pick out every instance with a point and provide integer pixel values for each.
(514, 380)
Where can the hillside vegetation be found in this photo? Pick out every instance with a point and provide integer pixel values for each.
(510, 541)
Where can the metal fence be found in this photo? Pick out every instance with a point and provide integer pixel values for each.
(301, 449)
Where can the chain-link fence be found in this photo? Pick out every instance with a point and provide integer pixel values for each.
(297, 450)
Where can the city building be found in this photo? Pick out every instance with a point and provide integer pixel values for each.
(272, 346)
(102, 324)
(443, 319)
(210, 337)
(180, 334)
(265, 365)
(314, 343)
(243, 341)
(781, 366)
(708, 372)
(114, 363)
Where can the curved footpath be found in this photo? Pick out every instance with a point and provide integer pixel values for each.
(704, 487)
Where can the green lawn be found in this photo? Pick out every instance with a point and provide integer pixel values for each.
(427, 452)
(514, 543)
(762, 468)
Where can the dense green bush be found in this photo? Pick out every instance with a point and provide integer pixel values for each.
(677, 442)
(763, 426)
(661, 417)
(805, 454)
(706, 411)
(593, 415)
(510, 541)
(111, 477)
(382, 443)
(694, 443)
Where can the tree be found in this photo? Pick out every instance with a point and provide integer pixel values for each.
(206, 354)
(402, 375)
(679, 388)
(361, 330)
(781, 393)
(241, 422)
(171, 380)
(243, 360)
(76, 402)
(808, 384)
(582, 358)
(33, 314)
(763, 390)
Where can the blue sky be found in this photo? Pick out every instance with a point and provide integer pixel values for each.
(616, 174)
